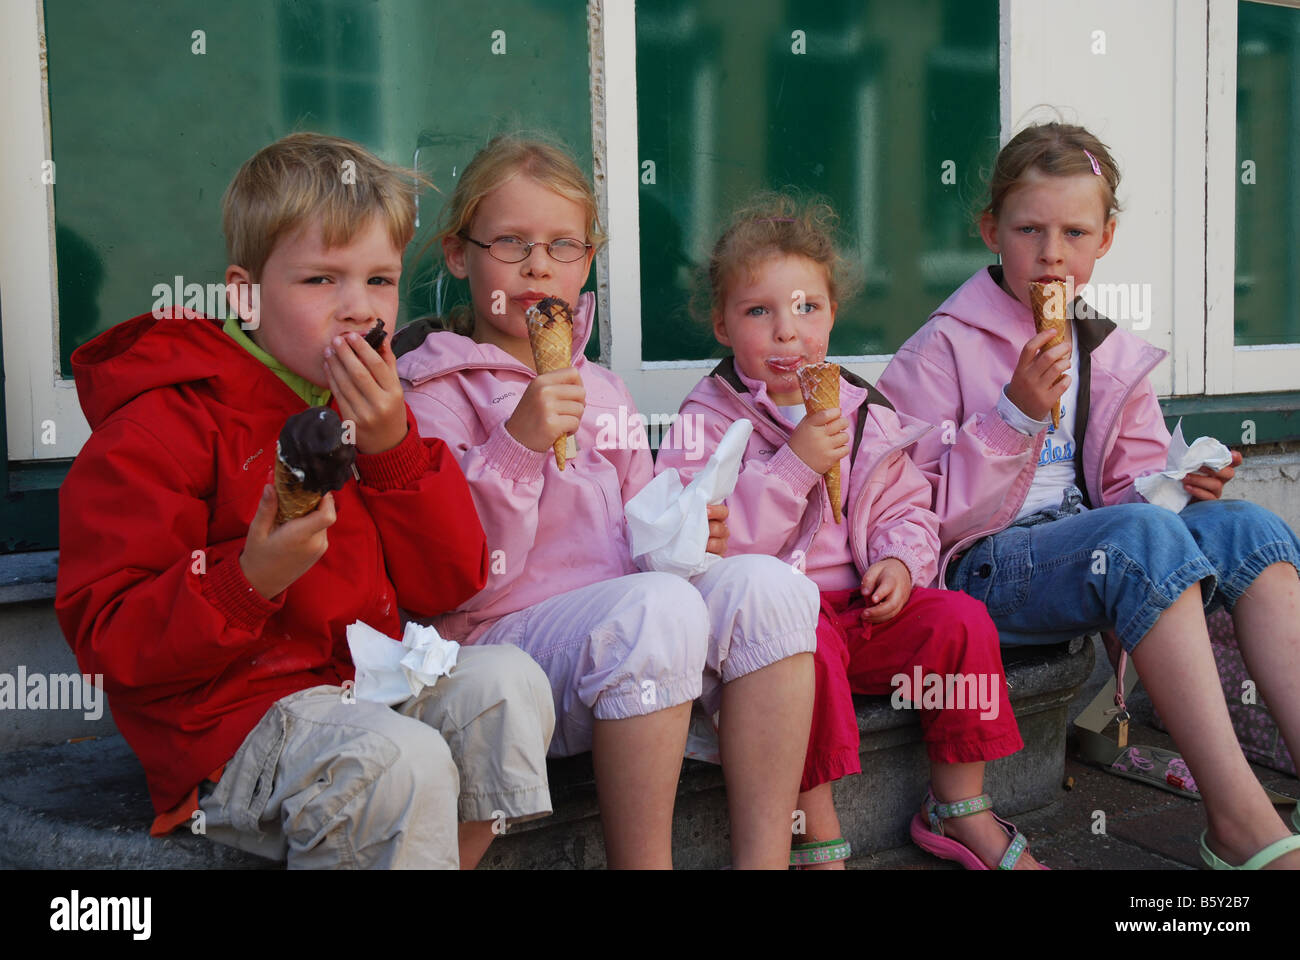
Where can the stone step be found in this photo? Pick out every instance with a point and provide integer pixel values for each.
(85, 804)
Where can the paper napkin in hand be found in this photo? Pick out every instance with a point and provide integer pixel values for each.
(389, 672)
(1165, 489)
(669, 524)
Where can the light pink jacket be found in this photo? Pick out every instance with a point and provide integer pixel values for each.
(547, 531)
(779, 503)
(981, 468)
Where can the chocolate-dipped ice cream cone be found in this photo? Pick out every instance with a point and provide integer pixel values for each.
(310, 460)
(550, 333)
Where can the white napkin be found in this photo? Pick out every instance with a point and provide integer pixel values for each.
(389, 672)
(1165, 489)
(669, 525)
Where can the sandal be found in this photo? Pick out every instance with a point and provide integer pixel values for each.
(1261, 859)
(804, 855)
(929, 836)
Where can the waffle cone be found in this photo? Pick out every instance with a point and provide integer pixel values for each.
(551, 338)
(294, 501)
(1047, 300)
(820, 383)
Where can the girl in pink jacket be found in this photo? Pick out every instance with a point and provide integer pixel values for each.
(775, 281)
(626, 652)
(1044, 524)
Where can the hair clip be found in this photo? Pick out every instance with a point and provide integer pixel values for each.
(1096, 168)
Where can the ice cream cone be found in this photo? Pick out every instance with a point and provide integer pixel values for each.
(820, 383)
(294, 501)
(550, 333)
(1048, 304)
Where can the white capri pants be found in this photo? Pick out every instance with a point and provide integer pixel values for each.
(645, 642)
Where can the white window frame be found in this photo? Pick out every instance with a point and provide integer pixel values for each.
(1199, 55)
(1231, 369)
(36, 394)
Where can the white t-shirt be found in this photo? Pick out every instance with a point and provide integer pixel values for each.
(1056, 458)
(794, 413)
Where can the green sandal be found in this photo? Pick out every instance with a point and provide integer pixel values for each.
(1261, 859)
(803, 855)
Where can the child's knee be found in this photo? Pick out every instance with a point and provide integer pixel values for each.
(754, 597)
(363, 809)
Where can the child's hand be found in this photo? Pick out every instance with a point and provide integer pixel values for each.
(551, 407)
(1207, 484)
(885, 586)
(821, 440)
(718, 532)
(368, 391)
(274, 557)
(1034, 387)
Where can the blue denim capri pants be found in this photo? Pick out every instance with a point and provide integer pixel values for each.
(1065, 571)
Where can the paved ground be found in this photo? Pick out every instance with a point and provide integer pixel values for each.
(1146, 828)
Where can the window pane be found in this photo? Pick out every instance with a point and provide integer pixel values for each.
(888, 110)
(1268, 155)
(147, 134)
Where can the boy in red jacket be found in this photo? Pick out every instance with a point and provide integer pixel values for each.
(220, 634)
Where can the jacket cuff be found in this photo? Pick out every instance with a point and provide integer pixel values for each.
(915, 568)
(510, 458)
(798, 475)
(1001, 437)
(1013, 415)
(227, 589)
(398, 468)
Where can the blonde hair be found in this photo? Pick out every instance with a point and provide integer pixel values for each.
(306, 175)
(1056, 149)
(774, 224)
(506, 156)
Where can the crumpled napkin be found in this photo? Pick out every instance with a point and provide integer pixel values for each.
(389, 672)
(1165, 489)
(669, 524)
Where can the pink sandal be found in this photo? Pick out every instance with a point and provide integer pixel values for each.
(929, 836)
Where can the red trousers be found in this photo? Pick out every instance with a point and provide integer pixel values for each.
(942, 638)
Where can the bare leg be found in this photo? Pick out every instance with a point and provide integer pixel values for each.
(637, 762)
(979, 831)
(474, 837)
(1267, 619)
(821, 820)
(763, 735)
(1178, 671)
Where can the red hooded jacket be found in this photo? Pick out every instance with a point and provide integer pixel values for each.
(153, 516)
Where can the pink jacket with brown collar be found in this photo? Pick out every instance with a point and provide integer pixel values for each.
(779, 503)
(979, 467)
(548, 531)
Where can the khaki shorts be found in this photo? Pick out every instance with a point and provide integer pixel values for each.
(327, 781)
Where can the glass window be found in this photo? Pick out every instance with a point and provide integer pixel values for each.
(147, 131)
(1268, 193)
(889, 111)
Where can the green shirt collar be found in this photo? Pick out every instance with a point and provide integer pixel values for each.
(311, 394)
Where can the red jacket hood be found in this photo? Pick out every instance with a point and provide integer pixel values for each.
(145, 353)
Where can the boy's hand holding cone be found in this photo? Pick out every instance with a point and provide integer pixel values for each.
(550, 334)
(1047, 301)
(820, 383)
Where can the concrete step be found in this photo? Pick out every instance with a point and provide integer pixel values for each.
(85, 804)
